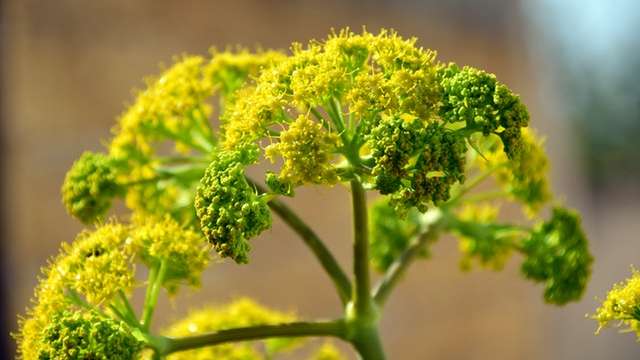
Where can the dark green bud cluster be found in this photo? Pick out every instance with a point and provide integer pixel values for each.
(416, 163)
(390, 234)
(475, 97)
(557, 253)
(89, 187)
(78, 335)
(440, 164)
(229, 209)
(394, 141)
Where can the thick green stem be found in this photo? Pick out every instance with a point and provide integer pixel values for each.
(297, 329)
(369, 346)
(315, 244)
(361, 297)
(399, 266)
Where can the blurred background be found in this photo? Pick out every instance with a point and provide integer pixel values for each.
(68, 68)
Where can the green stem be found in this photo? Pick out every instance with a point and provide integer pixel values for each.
(368, 345)
(153, 291)
(397, 269)
(471, 184)
(127, 305)
(361, 297)
(314, 243)
(334, 328)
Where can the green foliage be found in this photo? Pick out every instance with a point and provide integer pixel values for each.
(229, 209)
(78, 335)
(557, 254)
(89, 187)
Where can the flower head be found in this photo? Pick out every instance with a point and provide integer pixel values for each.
(476, 98)
(184, 250)
(98, 263)
(557, 254)
(90, 186)
(622, 305)
(229, 209)
(85, 335)
(306, 149)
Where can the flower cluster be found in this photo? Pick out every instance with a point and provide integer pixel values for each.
(86, 335)
(89, 187)
(182, 249)
(622, 305)
(98, 268)
(306, 149)
(229, 209)
(476, 98)
(557, 254)
(228, 71)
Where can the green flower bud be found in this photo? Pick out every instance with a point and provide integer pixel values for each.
(89, 187)
(229, 209)
(557, 254)
(78, 335)
(475, 97)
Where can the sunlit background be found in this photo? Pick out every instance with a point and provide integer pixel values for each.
(68, 68)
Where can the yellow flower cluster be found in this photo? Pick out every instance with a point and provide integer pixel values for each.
(229, 71)
(101, 264)
(525, 175)
(306, 148)
(96, 265)
(185, 251)
(622, 305)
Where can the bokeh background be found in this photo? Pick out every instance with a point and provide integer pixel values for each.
(68, 68)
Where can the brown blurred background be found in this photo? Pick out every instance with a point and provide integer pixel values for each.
(68, 68)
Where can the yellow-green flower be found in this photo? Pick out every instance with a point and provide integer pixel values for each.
(622, 305)
(184, 250)
(307, 150)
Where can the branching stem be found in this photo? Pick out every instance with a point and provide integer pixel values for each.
(334, 328)
(314, 243)
(399, 266)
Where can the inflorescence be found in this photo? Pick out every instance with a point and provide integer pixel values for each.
(372, 108)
